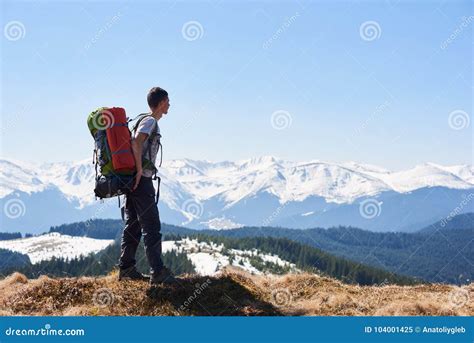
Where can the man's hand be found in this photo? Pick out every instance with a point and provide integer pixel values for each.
(138, 176)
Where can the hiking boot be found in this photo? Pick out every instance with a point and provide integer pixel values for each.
(164, 276)
(131, 273)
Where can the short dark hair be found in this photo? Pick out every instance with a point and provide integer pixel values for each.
(155, 96)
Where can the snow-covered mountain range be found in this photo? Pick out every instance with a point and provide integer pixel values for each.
(263, 191)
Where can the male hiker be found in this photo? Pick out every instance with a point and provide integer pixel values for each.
(141, 211)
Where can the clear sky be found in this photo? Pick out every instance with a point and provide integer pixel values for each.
(366, 81)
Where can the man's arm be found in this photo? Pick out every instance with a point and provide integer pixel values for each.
(137, 149)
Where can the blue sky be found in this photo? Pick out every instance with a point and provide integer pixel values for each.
(343, 93)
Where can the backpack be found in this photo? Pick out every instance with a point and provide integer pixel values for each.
(112, 153)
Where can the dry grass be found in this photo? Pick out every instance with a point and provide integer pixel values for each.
(232, 293)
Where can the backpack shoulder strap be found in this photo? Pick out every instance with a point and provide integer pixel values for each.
(152, 136)
(139, 119)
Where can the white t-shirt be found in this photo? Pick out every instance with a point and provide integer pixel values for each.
(147, 125)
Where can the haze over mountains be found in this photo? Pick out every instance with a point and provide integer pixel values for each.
(263, 191)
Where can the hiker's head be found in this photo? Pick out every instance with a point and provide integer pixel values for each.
(158, 101)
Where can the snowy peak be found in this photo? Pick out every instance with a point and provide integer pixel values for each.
(331, 181)
(429, 175)
(365, 168)
(223, 195)
(258, 163)
(464, 172)
(233, 181)
(15, 176)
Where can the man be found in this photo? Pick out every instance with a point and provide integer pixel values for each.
(141, 211)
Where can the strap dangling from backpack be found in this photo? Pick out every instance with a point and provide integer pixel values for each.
(122, 208)
(95, 161)
(158, 190)
(160, 146)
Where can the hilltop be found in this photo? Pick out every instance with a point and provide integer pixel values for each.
(231, 292)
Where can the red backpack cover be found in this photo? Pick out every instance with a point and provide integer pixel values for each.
(119, 140)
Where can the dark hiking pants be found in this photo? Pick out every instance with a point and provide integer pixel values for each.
(142, 218)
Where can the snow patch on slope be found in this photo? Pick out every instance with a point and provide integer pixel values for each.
(47, 246)
(210, 258)
(221, 223)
